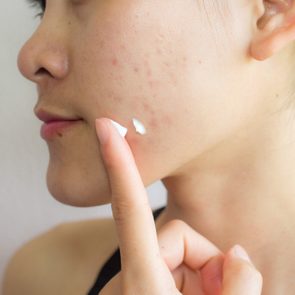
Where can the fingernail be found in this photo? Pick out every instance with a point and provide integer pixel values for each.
(121, 129)
(240, 252)
(102, 131)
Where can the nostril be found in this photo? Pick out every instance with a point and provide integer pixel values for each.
(43, 71)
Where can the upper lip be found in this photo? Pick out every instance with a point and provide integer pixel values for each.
(47, 116)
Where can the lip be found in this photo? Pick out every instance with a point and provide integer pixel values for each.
(52, 129)
(48, 117)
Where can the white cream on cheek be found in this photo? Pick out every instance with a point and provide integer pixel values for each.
(139, 127)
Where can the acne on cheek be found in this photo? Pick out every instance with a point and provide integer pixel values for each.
(157, 120)
(146, 68)
(114, 62)
(153, 122)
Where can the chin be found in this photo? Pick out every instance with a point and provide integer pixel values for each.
(76, 190)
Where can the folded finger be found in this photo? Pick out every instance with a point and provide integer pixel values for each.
(239, 274)
(183, 248)
(179, 243)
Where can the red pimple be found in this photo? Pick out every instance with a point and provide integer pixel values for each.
(147, 108)
(167, 64)
(114, 62)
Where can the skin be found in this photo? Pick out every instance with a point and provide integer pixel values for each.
(173, 259)
(211, 85)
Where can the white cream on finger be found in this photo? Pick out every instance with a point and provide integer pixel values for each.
(121, 129)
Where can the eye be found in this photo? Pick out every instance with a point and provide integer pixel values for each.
(40, 4)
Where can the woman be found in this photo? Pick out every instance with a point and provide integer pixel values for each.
(212, 82)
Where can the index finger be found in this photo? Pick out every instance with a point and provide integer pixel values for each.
(131, 210)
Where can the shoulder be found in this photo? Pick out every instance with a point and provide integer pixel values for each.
(71, 252)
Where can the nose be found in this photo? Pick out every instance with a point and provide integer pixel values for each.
(43, 56)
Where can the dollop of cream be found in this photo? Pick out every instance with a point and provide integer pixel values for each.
(121, 129)
(139, 127)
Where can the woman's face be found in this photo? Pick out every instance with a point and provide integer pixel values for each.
(179, 66)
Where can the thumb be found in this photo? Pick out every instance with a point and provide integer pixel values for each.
(239, 274)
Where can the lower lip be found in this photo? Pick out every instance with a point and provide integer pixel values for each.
(52, 129)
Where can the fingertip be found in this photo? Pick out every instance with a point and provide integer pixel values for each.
(237, 260)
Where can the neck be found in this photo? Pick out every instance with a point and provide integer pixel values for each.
(243, 192)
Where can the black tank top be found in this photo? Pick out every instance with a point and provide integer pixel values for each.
(112, 266)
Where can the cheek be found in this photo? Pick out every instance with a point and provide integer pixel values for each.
(128, 71)
(142, 80)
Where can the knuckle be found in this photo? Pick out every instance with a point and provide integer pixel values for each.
(119, 208)
(177, 224)
(175, 227)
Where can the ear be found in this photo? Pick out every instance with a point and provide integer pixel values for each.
(275, 29)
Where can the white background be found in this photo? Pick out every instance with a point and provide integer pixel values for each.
(26, 207)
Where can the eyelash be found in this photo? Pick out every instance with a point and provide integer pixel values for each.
(41, 4)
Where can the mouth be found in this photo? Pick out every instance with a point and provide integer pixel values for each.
(55, 124)
(48, 117)
(52, 129)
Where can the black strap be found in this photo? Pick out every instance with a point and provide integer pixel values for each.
(112, 266)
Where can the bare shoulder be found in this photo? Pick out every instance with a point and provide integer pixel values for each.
(63, 260)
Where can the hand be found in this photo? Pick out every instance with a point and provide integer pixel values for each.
(175, 261)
